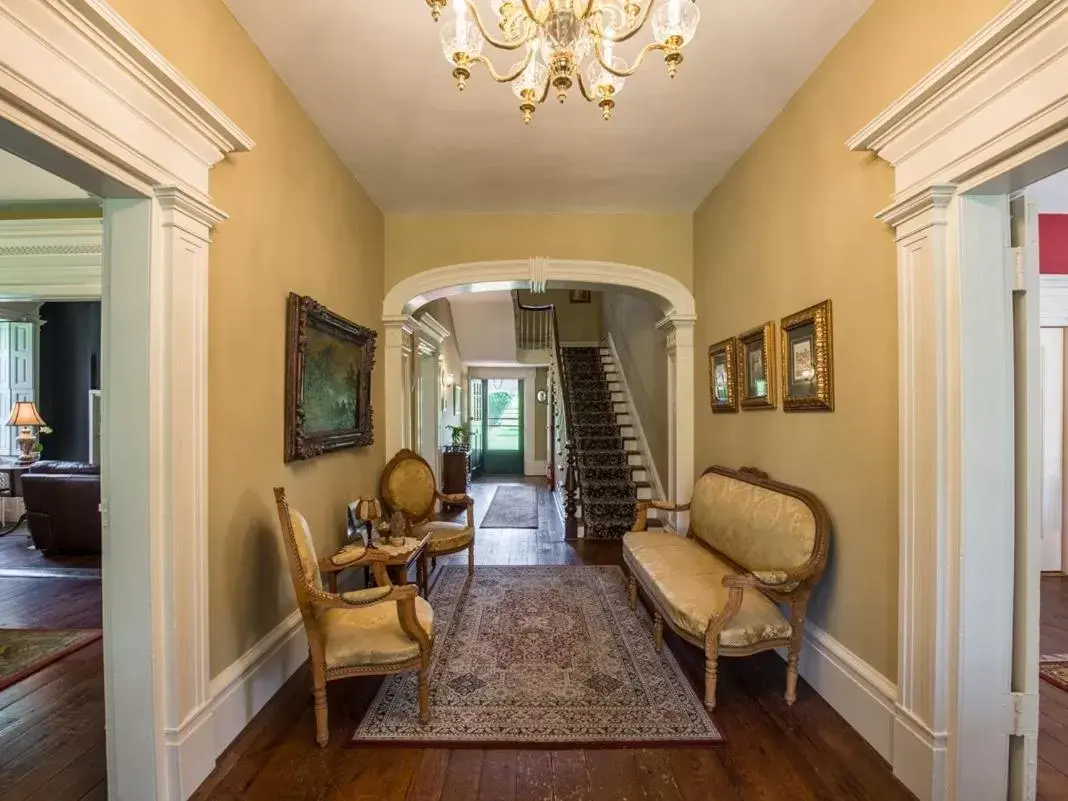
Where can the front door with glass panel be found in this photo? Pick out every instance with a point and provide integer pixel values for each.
(502, 441)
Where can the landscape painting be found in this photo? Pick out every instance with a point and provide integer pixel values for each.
(329, 362)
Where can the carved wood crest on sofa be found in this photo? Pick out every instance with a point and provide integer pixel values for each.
(753, 543)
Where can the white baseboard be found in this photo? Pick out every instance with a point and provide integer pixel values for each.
(868, 702)
(237, 694)
(535, 467)
(857, 691)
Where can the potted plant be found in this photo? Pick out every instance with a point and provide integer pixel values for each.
(461, 437)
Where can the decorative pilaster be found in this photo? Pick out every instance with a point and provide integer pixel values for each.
(678, 329)
(398, 369)
(927, 410)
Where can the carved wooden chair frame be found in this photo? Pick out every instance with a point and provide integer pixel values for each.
(311, 599)
(804, 577)
(428, 514)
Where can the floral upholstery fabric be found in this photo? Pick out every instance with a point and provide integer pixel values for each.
(371, 636)
(445, 536)
(409, 488)
(309, 563)
(758, 528)
(687, 582)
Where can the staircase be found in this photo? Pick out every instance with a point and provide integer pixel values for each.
(611, 478)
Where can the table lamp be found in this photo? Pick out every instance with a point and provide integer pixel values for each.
(28, 419)
(367, 511)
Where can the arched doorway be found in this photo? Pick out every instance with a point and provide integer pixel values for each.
(676, 302)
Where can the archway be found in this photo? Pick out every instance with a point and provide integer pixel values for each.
(677, 303)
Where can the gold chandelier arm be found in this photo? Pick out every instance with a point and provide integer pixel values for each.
(498, 43)
(589, 9)
(530, 11)
(585, 91)
(617, 38)
(496, 76)
(626, 72)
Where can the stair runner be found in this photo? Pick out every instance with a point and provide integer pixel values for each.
(608, 493)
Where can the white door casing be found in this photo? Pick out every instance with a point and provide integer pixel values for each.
(84, 96)
(992, 117)
(677, 303)
(1052, 446)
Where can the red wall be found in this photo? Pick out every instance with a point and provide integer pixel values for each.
(1053, 244)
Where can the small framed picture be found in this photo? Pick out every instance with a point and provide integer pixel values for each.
(755, 349)
(723, 375)
(808, 360)
(581, 296)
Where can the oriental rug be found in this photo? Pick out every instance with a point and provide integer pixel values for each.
(1054, 669)
(540, 656)
(23, 652)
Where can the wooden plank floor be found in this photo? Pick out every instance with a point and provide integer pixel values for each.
(804, 753)
(1053, 703)
(52, 723)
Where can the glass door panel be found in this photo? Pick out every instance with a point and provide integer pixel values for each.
(503, 443)
(476, 422)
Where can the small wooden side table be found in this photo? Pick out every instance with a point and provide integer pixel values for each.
(400, 558)
(14, 471)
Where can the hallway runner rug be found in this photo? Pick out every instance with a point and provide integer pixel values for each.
(23, 652)
(540, 656)
(513, 506)
(1054, 669)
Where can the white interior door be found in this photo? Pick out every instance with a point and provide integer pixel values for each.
(1052, 344)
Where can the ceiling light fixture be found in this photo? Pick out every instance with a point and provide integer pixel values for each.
(566, 42)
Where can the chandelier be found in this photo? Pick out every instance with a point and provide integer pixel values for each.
(566, 42)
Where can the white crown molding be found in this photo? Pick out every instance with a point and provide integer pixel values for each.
(983, 105)
(430, 327)
(60, 259)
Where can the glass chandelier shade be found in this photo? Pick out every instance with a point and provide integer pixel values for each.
(565, 43)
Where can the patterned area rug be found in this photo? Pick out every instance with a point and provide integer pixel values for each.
(540, 656)
(1054, 669)
(25, 651)
(513, 506)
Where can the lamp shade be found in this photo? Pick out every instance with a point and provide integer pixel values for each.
(368, 509)
(24, 413)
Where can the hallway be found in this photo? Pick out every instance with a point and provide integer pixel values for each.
(804, 753)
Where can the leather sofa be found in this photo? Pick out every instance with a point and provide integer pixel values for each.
(63, 506)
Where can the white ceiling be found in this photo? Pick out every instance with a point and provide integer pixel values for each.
(22, 181)
(372, 76)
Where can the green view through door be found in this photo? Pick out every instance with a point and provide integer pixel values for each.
(502, 418)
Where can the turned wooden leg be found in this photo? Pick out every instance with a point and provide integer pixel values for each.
(424, 696)
(658, 632)
(322, 729)
(711, 675)
(471, 559)
(331, 581)
(797, 621)
(632, 594)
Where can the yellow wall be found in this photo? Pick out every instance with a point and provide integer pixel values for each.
(415, 243)
(299, 222)
(790, 225)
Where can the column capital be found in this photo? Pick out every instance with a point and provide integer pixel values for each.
(679, 329)
(189, 210)
(919, 210)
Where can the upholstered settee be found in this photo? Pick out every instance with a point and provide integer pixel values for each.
(752, 543)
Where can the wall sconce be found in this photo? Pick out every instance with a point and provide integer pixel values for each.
(450, 379)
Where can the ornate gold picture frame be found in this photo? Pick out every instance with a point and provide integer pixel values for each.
(808, 360)
(756, 349)
(723, 375)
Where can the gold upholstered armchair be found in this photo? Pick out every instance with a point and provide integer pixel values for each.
(372, 632)
(408, 486)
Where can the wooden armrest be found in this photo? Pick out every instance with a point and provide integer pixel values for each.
(358, 599)
(758, 580)
(642, 517)
(467, 500)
